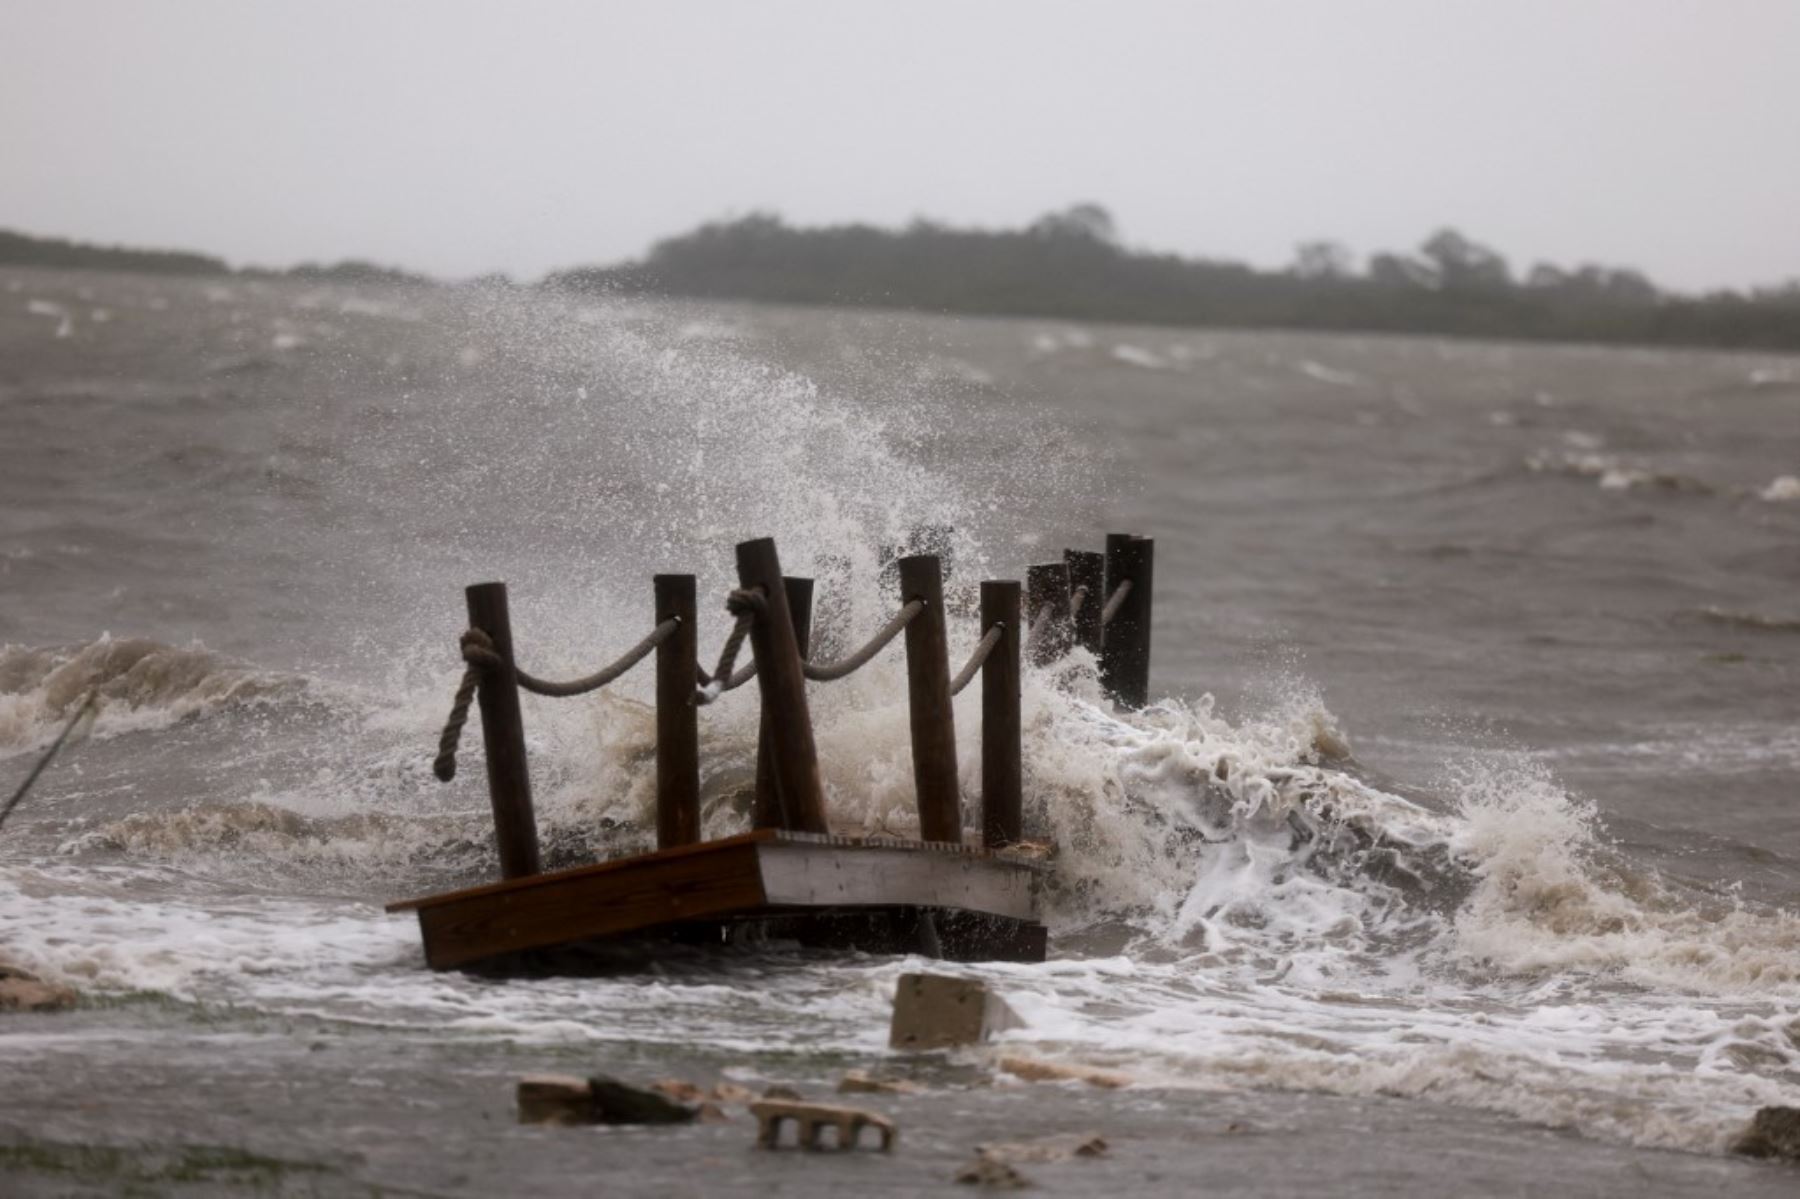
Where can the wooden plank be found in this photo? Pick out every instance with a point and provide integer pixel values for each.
(827, 876)
(759, 874)
(546, 880)
(636, 893)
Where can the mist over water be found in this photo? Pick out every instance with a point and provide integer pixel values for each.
(1472, 782)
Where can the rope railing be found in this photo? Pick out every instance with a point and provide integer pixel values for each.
(826, 672)
(823, 672)
(1115, 601)
(1069, 601)
(479, 653)
(977, 659)
(599, 678)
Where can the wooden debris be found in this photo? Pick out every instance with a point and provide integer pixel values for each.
(1033, 1069)
(783, 1091)
(935, 1011)
(1046, 1149)
(1773, 1132)
(555, 1099)
(812, 1119)
(992, 1174)
(730, 1092)
(861, 1082)
(562, 1099)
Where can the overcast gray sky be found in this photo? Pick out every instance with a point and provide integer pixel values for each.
(467, 137)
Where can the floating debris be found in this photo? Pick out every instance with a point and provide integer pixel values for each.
(810, 1121)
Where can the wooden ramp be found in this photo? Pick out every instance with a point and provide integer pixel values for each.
(939, 899)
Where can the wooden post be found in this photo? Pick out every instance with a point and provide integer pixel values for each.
(1087, 569)
(1047, 587)
(677, 716)
(928, 695)
(503, 734)
(783, 686)
(1125, 646)
(768, 809)
(1001, 765)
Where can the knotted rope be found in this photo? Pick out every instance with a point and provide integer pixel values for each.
(747, 604)
(478, 652)
(977, 659)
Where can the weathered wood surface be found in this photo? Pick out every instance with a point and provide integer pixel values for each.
(769, 808)
(782, 683)
(928, 701)
(691, 882)
(677, 716)
(1002, 764)
(503, 735)
(766, 873)
(1125, 644)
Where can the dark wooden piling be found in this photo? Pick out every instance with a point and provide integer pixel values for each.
(928, 693)
(767, 809)
(1002, 769)
(503, 733)
(677, 716)
(1047, 590)
(1087, 569)
(1125, 646)
(783, 685)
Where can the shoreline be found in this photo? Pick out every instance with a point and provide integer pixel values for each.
(311, 1107)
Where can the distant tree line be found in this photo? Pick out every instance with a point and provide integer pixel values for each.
(19, 249)
(1070, 264)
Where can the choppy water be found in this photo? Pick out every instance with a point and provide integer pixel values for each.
(1544, 597)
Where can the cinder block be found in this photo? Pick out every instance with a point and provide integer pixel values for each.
(935, 1011)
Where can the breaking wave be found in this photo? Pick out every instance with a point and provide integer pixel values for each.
(142, 684)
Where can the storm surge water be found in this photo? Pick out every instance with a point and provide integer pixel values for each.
(1245, 893)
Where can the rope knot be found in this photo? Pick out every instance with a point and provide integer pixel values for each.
(747, 601)
(478, 650)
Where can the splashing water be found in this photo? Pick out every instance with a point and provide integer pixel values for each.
(1235, 902)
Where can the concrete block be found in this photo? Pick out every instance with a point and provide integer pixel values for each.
(935, 1011)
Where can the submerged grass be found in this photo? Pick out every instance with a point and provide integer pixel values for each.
(138, 1167)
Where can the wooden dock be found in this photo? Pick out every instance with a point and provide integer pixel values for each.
(789, 879)
(831, 892)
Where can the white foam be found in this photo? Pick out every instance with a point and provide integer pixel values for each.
(1782, 489)
(1140, 357)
